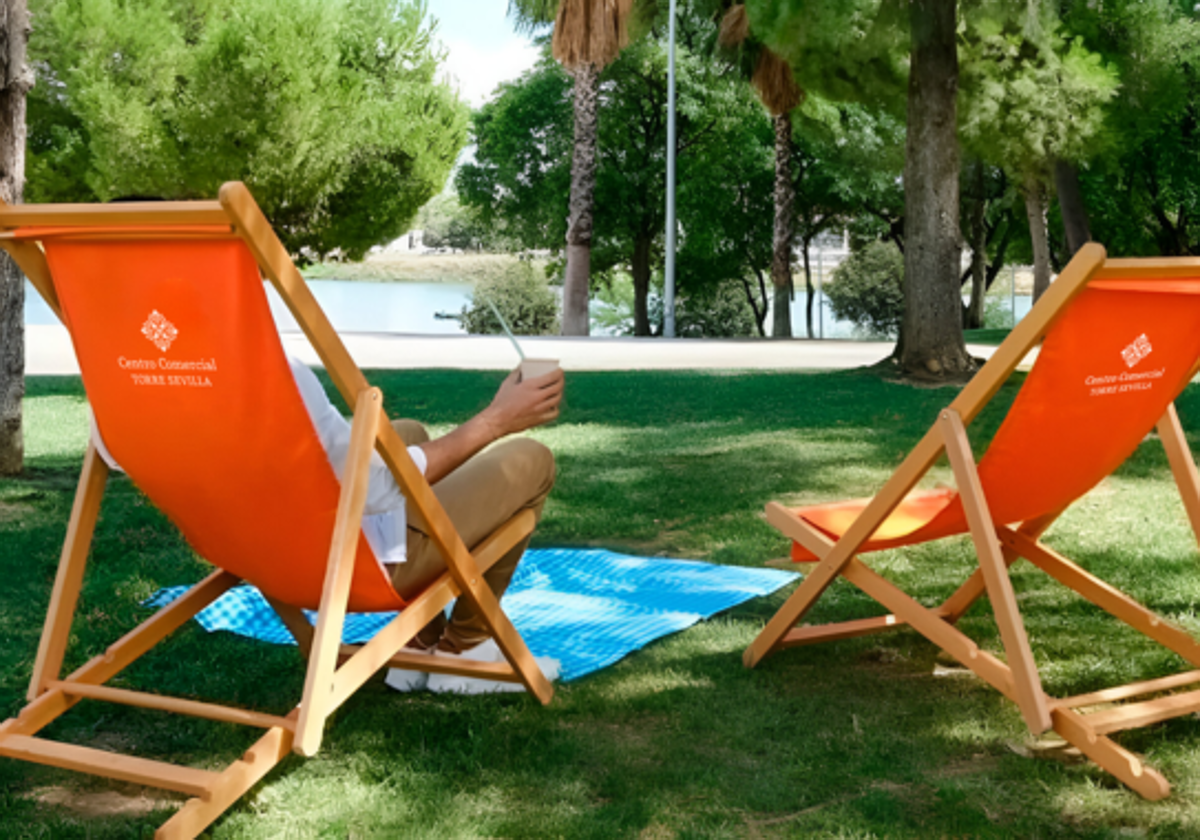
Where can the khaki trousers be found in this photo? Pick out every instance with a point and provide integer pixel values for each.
(479, 496)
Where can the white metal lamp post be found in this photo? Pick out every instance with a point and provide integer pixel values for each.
(669, 274)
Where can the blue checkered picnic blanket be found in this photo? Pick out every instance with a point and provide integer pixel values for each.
(587, 608)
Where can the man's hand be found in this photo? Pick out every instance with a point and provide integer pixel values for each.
(517, 406)
(521, 404)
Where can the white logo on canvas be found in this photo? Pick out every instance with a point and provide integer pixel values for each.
(160, 331)
(1138, 350)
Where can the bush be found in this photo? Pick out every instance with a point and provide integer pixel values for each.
(997, 312)
(717, 312)
(523, 298)
(868, 289)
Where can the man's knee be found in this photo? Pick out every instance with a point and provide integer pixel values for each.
(533, 465)
(411, 432)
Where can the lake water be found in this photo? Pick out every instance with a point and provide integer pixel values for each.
(351, 306)
(357, 306)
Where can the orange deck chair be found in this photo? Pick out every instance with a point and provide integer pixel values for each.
(192, 394)
(1120, 340)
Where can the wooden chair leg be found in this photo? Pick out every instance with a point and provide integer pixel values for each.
(1110, 755)
(322, 661)
(1183, 465)
(810, 589)
(1030, 696)
(1106, 597)
(200, 812)
(71, 565)
(953, 608)
(293, 619)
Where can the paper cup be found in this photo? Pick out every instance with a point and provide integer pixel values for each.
(533, 368)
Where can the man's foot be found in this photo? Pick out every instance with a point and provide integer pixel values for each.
(487, 651)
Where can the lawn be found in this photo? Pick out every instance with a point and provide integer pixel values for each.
(865, 738)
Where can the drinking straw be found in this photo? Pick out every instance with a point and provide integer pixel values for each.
(507, 331)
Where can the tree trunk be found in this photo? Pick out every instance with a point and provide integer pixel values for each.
(978, 205)
(1070, 203)
(931, 339)
(785, 199)
(583, 188)
(1035, 210)
(759, 309)
(812, 293)
(641, 284)
(17, 79)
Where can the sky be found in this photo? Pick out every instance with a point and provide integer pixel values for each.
(483, 48)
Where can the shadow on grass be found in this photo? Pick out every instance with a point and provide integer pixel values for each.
(847, 740)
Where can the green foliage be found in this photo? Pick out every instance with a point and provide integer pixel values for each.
(611, 312)
(523, 298)
(715, 312)
(328, 109)
(445, 223)
(1029, 96)
(1143, 192)
(997, 312)
(845, 50)
(519, 180)
(868, 289)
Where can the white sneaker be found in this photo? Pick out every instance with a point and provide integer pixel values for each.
(487, 651)
(402, 679)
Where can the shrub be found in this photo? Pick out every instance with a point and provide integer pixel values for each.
(997, 313)
(719, 311)
(523, 298)
(867, 289)
(716, 312)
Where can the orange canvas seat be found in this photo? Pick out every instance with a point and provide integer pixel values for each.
(1120, 339)
(194, 399)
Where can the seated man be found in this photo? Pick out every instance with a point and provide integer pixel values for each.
(479, 490)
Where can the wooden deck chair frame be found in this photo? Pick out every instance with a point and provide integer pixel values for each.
(334, 671)
(998, 547)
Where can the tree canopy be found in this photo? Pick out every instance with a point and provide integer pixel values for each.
(1143, 188)
(524, 139)
(329, 110)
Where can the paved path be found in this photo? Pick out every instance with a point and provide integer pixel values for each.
(48, 351)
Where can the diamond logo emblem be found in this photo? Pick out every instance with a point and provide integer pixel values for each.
(1138, 350)
(159, 331)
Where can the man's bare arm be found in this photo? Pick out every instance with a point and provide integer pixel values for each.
(516, 407)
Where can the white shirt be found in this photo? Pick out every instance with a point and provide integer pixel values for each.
(384, 522)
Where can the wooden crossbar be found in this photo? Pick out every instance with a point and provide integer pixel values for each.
(112, 215)
(1130, 690)
(178, 705)
(813, 633)
(435, 664)
(126, 768)
(1135, 715)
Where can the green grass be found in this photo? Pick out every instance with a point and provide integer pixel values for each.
(855, 739)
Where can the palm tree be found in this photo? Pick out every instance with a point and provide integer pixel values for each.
(17, 79)
(588, 34)
(772, 77)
